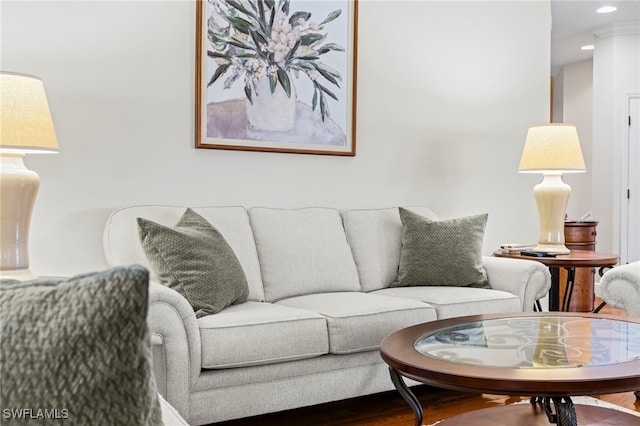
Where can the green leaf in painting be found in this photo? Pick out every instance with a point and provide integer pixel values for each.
(238, 6)
(272, 19)
(303, 66)
(329, 47)
(214, 38)
(297, 16)
(261, 12)
(246, 55)
(332, 16)
(213, 54)
(284, 81)
(325, 90)
(240, 24)
(285, 7)
(273, 81)
(218, 73)
(293, 50)
(247, 91)
(310, 38)
(325, 73)
(235, 42)
(323, 106)
(308, 58)
(258, 39)
(328, 69)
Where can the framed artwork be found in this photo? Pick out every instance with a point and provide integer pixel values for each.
(276, 75)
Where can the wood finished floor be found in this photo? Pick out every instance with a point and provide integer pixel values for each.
(390, 409)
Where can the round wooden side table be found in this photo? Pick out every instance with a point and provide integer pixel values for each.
(571, 261)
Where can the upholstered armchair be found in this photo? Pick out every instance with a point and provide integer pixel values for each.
(620, 288)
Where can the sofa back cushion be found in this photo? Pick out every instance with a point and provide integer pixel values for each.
(122, 245)
(302, 251)
(375, 237)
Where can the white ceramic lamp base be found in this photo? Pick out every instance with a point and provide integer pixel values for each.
(552, 196)
(18, 190)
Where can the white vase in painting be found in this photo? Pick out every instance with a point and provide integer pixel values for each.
(275, 111)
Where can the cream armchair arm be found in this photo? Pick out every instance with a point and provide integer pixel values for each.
(527, 279)
(176, 345)
(620, 288)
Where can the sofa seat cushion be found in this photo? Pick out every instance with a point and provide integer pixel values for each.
(302, 251)
(269, 333)
(359, 321)
(456, 302)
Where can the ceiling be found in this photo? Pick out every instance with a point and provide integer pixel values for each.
(573, 22)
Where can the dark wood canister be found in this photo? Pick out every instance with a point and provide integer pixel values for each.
(580, 235)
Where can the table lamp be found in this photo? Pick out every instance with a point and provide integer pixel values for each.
(25, 128)
(552, 149)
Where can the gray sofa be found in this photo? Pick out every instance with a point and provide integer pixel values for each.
(319, 304)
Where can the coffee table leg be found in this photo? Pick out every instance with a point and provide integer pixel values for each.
(407, 395)
(554, 291)
(565, 411)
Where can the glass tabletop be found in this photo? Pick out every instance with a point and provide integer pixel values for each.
(534, 342)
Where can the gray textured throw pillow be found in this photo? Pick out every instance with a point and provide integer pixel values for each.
(441, 253)
(77, 351)
(194, 259)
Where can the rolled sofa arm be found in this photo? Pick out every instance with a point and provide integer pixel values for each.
(176, 346)
(620, 288)
(527, 279)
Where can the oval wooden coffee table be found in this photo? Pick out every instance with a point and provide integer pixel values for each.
(548, 356)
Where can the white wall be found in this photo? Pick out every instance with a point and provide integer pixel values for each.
(446, 92)
(616, 69)
(558, 97)
(573, 104)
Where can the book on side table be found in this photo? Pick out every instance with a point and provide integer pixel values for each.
(515, 248)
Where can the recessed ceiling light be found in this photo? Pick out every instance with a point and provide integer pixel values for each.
(607, 9)
(587, 47)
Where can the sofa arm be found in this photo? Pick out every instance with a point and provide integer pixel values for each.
(176, 346)
(527, 279)
(620, 288)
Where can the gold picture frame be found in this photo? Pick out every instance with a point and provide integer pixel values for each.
(276, 75)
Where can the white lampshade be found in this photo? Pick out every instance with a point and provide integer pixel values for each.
(25, 121)
(552, 147)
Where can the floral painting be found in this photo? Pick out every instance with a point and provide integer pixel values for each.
(276, 75)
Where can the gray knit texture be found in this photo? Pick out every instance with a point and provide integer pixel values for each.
(194, 259)
(441, 253)
(77, 351)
